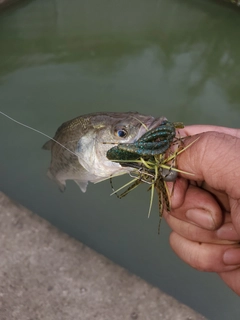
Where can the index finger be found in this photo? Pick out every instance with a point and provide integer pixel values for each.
(196, 129)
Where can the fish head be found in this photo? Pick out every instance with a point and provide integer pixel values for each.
(82, 145)
(107, 130)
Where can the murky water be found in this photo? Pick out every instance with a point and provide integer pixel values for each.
(59, 60)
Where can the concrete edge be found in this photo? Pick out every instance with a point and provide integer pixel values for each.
(45, 274)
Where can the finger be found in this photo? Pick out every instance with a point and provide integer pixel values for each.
(196, 129)
(202, 256)
(178, 191)
(213, 158)
(232, 279)
(228, 232)
(221, 197)
(198, 234)
(195, 205)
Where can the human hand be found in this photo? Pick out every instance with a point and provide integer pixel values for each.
(205, 214)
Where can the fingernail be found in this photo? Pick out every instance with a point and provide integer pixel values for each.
(201, 217)
(227, 232)
(232, 256)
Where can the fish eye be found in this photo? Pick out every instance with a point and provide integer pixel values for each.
(121, 133)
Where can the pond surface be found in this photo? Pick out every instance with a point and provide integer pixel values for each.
(180, 59)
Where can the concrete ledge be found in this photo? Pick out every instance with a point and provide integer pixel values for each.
(45, 274)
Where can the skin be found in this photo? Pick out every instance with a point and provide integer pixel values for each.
(205, 208)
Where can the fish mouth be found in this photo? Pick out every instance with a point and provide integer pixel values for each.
(147, 125)
(150, 124)
(155, 123)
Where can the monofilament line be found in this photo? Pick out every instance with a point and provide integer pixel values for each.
(44, 134)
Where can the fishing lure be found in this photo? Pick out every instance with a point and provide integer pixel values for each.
(154, 160)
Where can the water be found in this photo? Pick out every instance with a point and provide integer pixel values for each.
(180, 59)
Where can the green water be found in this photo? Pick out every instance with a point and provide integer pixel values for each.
(60, 59)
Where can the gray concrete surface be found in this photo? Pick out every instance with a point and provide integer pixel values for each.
(45, 274)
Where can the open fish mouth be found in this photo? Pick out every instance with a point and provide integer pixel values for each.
(148, 125)
(156, 122)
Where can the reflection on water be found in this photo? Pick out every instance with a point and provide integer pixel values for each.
(179, 59)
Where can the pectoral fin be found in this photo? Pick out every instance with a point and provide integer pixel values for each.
(82, 185)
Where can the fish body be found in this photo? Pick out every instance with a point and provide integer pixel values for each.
(83, 142)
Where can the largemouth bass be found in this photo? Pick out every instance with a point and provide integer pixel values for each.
(83, 142)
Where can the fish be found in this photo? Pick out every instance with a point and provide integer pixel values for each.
(79, 147)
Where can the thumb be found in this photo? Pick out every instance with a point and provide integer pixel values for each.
(213, 158)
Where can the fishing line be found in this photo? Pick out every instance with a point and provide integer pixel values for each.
(44, 134)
